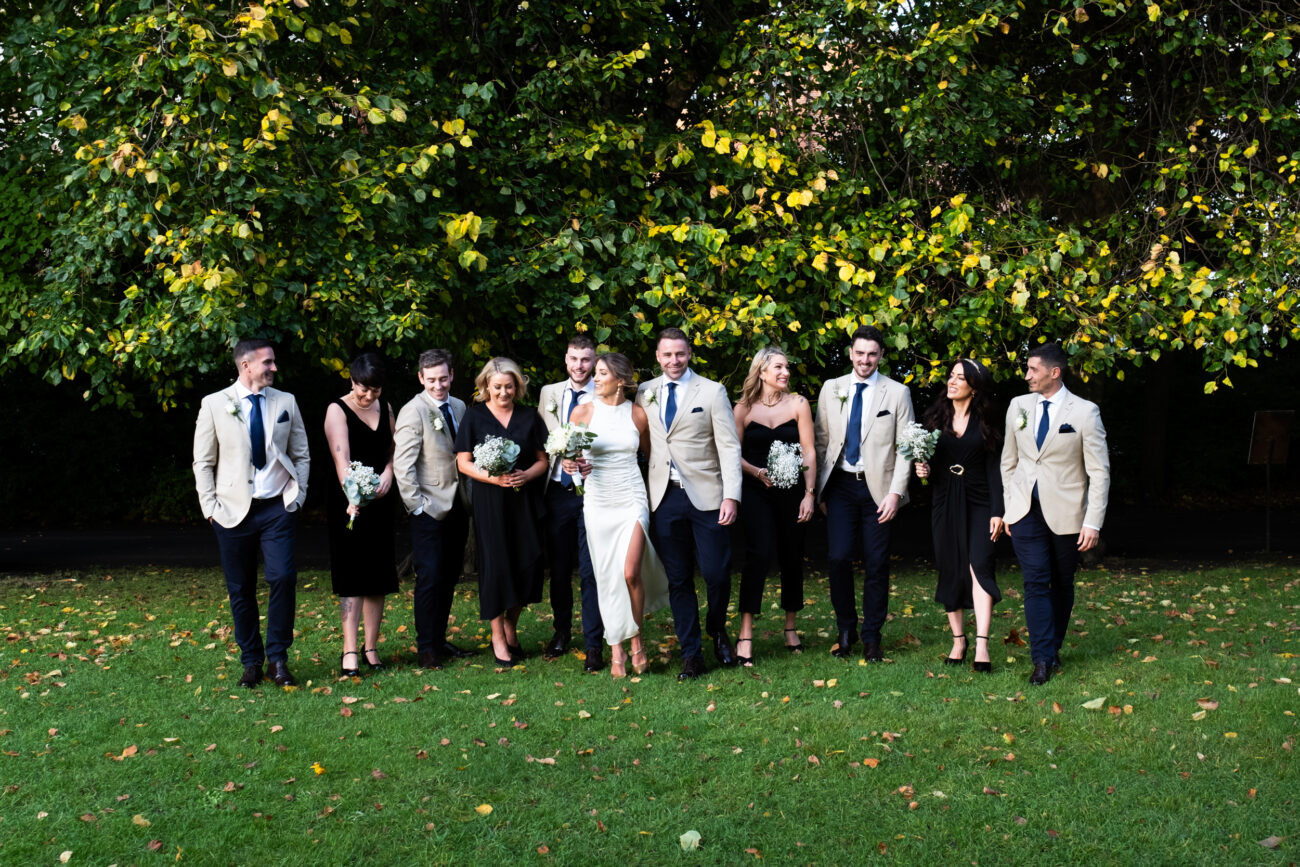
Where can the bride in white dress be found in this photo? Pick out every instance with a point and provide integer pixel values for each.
(630, 579)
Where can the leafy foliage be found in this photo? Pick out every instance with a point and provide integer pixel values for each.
(974, 177)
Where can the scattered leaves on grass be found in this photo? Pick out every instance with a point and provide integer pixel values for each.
(689, 841)
(1271, 842)
(1207, 704)
(318, 768)
(1095, 704)
(137, 819)
(483, 809)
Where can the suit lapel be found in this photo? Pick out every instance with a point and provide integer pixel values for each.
(875, 396)
(686, 400)
(1054, 421)
(651, 404)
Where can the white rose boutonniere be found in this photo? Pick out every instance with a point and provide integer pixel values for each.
(435, 419)
(553, 408)
(650, 397)
(233, 408)
(1023, 421)
(843, 395)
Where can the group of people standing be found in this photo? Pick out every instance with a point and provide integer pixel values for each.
(637, 539)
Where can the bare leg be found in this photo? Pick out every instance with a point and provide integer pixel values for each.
(632, 573)
(983, 617)
(746, 635)
(509, 623)
(500, 646)
(372, 614)
(957, 623)
(350, 612)
(617, 660)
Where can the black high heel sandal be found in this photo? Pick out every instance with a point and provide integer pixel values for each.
(746, 661)
(797, 647)
(981, 667)
(965, 646)
(344, 671)
(374, 666)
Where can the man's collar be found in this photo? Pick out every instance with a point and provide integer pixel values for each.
(682, 380)
(1058, 397)
(870, 380)
(590, 387)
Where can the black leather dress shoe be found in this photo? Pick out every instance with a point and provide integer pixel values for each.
(595, 660)
(429, 659)
(692, 667)
(845, 646)
(1041, 674)
(252, 676)
(872, 651)
(279, 674)
(451, 651)
(559, 643)
(1056, 664)
(724, 651)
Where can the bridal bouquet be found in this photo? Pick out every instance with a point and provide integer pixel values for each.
(496, 456)
(917, 444)
(567, 442)
(360, 486)
(784, 464)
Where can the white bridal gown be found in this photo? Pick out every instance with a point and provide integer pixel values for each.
(614, 505)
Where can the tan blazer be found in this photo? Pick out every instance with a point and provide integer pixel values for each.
(551, 407)
(223, 457)
(887, 411)
(702, 443)
(1072, 470)
(424, 456)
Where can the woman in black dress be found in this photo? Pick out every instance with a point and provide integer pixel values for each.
(359, 427)
(507, 508)
(773, 518)
(967, 507)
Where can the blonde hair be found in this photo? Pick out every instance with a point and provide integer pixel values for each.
(752, 390)
(494, 367)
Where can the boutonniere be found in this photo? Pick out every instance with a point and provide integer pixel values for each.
(650, 397)
(233, 408)
(1023, 421)
(843, 395)
(435, 419)
(553, 408)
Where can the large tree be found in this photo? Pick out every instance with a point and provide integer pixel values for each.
(972, 176)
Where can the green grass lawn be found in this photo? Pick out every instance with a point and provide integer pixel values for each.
(123, 739)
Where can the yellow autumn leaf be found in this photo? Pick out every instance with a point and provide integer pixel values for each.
(1095, 704)
(483, 809)
(1153, 12)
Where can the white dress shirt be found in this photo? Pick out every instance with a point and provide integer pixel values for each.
(871, 382)
(270, 480)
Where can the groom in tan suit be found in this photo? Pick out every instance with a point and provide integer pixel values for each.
(250, 469)
(1055, 478)
(424, 467)
(861, 483)
(694, 494)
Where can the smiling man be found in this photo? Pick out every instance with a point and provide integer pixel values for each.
(861, 483)
(250, 468)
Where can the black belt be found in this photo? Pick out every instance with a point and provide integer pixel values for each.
(859, 475)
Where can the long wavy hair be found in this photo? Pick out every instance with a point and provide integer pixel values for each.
(752, 390)
(939, 415)
(491, 369)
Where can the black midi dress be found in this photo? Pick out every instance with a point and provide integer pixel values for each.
(363, 559)
(967, 483)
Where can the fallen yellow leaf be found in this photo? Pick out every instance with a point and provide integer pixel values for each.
(483, 809)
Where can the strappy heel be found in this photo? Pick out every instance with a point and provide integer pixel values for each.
(981, 667)
(344, 671)
(374, 666)
(965, 646)
(747, 661)
(797, 647)
(618, 664)
(644, 665)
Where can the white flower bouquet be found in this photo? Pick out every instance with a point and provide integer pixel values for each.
(360, 486)
(567, 442)
(784, 464)
(496, 456)
(917, 444)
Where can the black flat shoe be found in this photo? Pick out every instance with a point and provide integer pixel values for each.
(374, 666)
(981, 667)
(344, 671)
(797, 647)
(965, 646)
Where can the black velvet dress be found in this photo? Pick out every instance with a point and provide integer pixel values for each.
(363, 559)
(967, 480)
(507, 523)
(770, 519)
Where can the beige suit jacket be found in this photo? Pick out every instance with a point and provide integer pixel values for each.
(424, 456)
(702, 444)
(1072, 470)
(887, 411)
(223, 456)
(551, 406)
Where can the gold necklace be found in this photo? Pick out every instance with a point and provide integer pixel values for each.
(779, 397)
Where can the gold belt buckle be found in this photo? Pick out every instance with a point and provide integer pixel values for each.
(957, 470)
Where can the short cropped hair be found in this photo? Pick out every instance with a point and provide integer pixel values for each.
(868, 332)
(582, 341)
(433, 358)
(368, 369)
(491, 369)
(671, 333)
(1052, 355)
(248, 346)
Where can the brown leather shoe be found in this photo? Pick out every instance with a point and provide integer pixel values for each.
(279, 674)
(252, 676)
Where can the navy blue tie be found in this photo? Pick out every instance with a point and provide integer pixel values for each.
(257, 433)
(1043, 425)
(451, 419)
(853, 449)
(670, 410)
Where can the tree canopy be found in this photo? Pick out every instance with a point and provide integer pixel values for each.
(973, 177)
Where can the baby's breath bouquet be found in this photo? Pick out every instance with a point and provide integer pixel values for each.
(917, 444)
(360, 485)
(567, 442)
(784, 464)
(496, 456)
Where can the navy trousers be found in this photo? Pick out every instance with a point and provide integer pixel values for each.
(685, 536)
(852, 526)
(566, 546)
(438, 547)
(1048, 562)
(273, 531)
